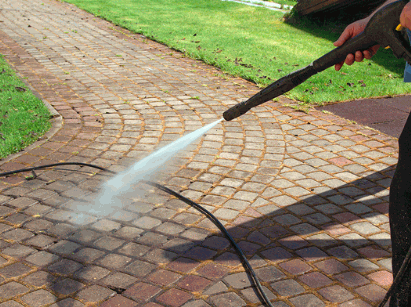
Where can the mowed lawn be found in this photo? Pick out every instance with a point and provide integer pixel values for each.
(23, 117)
(254, 43)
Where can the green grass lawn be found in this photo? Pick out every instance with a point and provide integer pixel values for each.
(23, 117)
(254, 43)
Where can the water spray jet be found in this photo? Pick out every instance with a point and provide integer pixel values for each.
(381, 30)
(145, 169)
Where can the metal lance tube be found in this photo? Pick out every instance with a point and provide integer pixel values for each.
(275, 89)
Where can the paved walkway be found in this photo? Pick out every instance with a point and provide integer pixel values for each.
(305, 195)
(387, 115)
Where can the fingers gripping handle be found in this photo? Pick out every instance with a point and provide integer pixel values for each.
(380, 30)
(338, 55)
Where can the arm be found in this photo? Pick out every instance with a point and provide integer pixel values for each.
(405, 17)
(357, 27)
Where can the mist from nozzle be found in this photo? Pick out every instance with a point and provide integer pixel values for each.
(109, 200)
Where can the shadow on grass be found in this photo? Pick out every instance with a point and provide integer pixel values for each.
(331, 24)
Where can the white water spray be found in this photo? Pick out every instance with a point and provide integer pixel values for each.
(107, 202)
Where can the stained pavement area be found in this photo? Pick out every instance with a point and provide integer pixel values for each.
(304, 195)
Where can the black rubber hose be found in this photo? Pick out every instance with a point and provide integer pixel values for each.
(220, 226)
(209, 215)
(28, 169)
(403, 269)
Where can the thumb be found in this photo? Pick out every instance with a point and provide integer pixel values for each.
(342, 39)
(345, 35)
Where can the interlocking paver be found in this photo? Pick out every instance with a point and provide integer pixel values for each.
(39, 298)
(193, 283)
(306, 300)
(15, 270)
(365, 228)
(331, 266)
(321, 240)
(94, 293)
(67, 286)
(163, 277)
(40, 278)
(383, 278)
(119, 300)
(288, 287)
(352, 279)
(269, 274)
(336, 294)
(174, 297)
(252, 297)
(12, 289)
(305, 195)
(372, 252)
(64, 266)
(227, 299)
(87, 255)
(18, 251)
(119, 280)
(64, 247)
(371, 292)
(363, 265)
(68, 302)
(315, 280)
(17, 235)
(353, 239)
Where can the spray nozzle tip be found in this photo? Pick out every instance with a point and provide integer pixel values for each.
(236, 111)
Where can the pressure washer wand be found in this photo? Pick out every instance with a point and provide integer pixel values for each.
(382, 29)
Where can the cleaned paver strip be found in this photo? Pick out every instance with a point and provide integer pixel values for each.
(305, 195)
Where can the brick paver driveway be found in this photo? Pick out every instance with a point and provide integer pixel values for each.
(305, 195)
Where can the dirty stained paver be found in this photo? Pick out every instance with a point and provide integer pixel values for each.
(304, 195)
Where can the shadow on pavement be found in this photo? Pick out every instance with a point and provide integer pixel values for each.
(85, 256)
(276, 235)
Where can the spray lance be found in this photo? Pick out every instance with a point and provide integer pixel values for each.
(382, 29)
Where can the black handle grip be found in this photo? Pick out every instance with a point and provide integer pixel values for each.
(380, 30)
(337, 55)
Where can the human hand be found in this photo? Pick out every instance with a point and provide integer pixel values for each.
(350, 31)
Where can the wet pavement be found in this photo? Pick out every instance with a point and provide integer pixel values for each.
(387, 115)
(304, 195)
